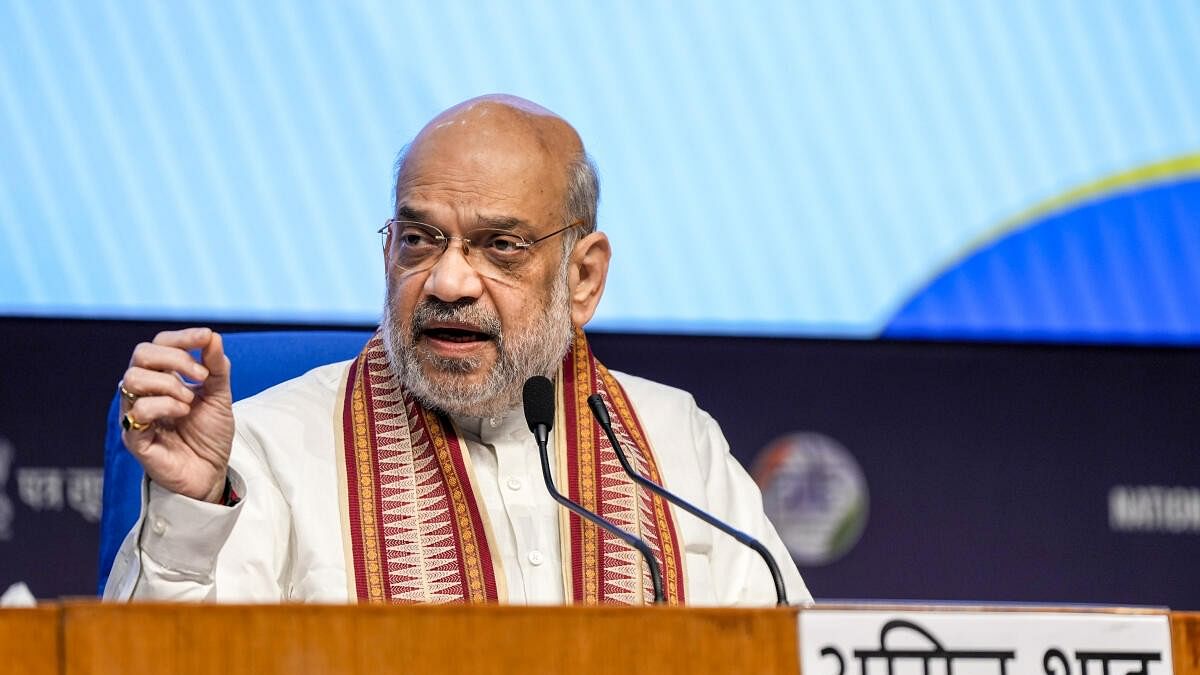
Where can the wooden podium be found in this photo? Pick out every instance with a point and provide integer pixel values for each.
(95, 639)
(89, 638)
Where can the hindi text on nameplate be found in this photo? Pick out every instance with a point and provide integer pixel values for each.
(878, 642)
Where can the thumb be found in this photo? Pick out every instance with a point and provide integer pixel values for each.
(214, 359)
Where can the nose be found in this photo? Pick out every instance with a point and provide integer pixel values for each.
(452, 278)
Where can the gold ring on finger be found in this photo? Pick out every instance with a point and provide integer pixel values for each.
(126, 394)
(128, 423)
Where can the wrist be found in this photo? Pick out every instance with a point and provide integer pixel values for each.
(219, 492)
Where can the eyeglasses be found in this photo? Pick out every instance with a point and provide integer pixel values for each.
(418, 246)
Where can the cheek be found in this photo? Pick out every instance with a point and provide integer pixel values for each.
(516, 307)
(402, 297)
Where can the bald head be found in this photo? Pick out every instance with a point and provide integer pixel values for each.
(502, 140)
(500, 115)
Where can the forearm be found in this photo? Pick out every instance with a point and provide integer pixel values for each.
(183, 549)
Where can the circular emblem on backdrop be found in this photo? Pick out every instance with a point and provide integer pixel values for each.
(815, 495)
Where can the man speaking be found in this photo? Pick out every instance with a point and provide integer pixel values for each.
(408, 474)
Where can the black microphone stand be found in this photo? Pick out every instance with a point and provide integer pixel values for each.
(655, 575)
(600, 412)
(538, 398)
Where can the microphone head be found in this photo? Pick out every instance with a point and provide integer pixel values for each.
(538, 397)
(599, 410)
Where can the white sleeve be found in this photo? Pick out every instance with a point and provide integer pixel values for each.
(183, 549)
(739, 573)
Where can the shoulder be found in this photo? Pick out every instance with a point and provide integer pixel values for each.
(661, 405)
(680, 432)
(648, 396)
(288, 421)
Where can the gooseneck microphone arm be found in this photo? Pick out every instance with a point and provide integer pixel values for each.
(539, 413)
(655, 574)
(600, 412)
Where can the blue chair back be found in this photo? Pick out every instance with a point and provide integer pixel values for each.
(260, 361)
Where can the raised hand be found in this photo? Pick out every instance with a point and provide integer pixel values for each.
(180, 433)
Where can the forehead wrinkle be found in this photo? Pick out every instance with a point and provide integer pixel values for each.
(456, 192)
(463, 214)
(469, 193)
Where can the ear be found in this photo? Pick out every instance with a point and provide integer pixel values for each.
(587, 273)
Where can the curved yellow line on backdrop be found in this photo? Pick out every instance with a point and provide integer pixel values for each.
(1143, 176)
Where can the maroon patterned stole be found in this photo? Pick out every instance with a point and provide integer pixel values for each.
(412, 519)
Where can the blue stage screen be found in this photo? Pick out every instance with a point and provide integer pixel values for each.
(983, 170)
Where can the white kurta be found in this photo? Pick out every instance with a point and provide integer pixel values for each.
(283, 541)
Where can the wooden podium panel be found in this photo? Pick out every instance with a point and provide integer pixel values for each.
(218, 640)
(29, 641)
(86, 638)
(1185, 642)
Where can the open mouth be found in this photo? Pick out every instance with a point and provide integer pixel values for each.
(455, 334)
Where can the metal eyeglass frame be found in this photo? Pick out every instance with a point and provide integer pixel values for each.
(467, 240)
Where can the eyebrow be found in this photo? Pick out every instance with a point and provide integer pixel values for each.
(504, 223)
(508, 223)
(407, 212)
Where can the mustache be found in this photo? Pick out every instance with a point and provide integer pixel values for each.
(432, 310)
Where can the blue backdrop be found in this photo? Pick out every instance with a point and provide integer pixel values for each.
(822, 164)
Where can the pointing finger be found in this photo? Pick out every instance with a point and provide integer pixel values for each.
(188, 338)
(217, 363)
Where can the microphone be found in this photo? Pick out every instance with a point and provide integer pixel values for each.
(538, 396)
(600, 412)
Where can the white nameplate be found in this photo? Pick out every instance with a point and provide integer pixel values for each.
(880, 642)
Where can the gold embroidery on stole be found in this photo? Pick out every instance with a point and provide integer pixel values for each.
(429, 460)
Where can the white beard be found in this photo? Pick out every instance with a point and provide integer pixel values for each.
(537, 350)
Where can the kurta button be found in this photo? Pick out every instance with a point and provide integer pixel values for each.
(493, 422)
(159, 526)
(536, 558)
(514, 483)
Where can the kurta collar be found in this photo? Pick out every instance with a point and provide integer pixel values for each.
(506, 426)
